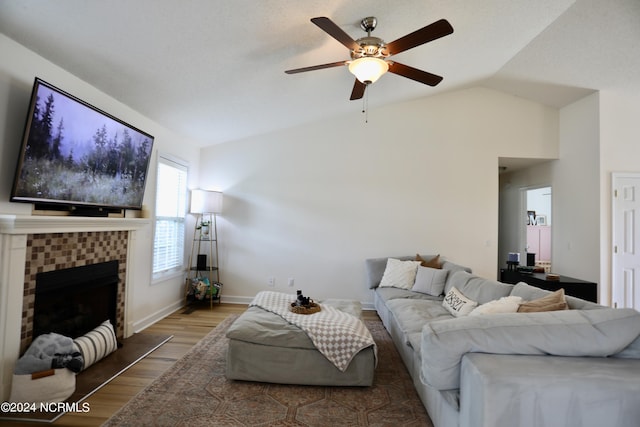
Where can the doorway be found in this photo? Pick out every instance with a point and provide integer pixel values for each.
(536, 233)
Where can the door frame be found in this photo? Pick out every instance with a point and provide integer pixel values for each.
(615, 177)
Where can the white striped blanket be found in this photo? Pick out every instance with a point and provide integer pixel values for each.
(339, 336)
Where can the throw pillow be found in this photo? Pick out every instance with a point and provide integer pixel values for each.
(552, 302)
(97, 344)
(457, 304)
(432, 263)
(508, 304)
(399, 274)
(430, 281)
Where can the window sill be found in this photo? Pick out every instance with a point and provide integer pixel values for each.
(167, 275)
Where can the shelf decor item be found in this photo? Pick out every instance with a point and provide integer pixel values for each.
(203, 261)
(513, 260)
(303, 305)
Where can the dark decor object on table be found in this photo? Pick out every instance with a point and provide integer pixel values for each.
(301, 300)
(201, 264)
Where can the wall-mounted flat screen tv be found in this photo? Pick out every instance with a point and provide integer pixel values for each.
(76, 156)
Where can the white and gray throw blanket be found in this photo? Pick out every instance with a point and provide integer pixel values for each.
(339, 336)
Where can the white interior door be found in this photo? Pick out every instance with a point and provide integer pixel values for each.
(626, 240)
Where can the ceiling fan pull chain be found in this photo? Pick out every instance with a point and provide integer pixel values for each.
(365, 106)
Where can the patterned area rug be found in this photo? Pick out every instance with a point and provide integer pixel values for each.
(195, 392)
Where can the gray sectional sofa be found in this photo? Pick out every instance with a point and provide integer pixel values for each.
(576, 367)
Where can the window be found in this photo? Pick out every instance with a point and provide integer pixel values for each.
(171, 207)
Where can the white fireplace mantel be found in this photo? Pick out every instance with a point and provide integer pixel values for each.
(14, 230)
(33, 224)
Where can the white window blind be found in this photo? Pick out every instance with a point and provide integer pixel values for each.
(171, 207)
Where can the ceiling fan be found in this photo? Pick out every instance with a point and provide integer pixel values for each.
(369, 55)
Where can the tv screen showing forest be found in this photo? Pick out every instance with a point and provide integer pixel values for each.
(75, 154)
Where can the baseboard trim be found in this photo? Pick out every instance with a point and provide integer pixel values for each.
(155, 317)
(236, 300)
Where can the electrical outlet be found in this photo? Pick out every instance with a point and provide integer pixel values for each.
(290, 282)
(271, 282)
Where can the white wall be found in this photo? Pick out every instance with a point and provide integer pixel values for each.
(17, 71)
(619, 152)
(574, 179)
(314, 202)
(576, 199)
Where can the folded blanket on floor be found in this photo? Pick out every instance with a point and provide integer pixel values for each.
(339, 336)
(49, 351)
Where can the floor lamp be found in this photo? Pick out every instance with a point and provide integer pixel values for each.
(205, 204)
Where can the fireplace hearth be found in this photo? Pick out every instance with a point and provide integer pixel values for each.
(73, 301)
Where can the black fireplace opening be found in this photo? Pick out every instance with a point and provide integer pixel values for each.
(73, 301)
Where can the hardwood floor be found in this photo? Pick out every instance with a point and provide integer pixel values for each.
(188, 326)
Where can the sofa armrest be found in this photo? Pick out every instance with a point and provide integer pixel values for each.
(535, 391)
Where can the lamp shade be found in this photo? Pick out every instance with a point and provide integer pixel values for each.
(203, 201)
(368, 69)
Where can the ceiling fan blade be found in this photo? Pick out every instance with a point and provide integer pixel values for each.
(329, 27)
(316, 67)
(358, 90)
(426, 34)
(414, 74)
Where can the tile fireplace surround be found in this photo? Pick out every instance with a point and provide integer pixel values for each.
(29, 244)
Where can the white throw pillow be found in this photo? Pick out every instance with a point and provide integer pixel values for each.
(97, 344)
(457, 304)
(399, 274)
(508, 304)
(430, 281)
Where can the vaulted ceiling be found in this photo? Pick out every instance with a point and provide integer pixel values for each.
(214, 70)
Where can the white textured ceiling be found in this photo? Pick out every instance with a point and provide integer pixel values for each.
(214, 70)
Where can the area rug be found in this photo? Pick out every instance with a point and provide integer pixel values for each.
(195, 392)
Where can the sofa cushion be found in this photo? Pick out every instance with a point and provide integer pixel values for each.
(552, 302)
(458, 304)
(430, 281)
(508, 304)
(411, 315)
(597, 333)
(632, 351)
(387, 294)
(533, 391)
(399, 274)
(477, 288)
(258, 326)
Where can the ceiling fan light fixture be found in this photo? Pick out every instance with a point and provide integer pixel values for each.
(368, 69)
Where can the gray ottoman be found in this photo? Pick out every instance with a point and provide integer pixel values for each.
(266, 348)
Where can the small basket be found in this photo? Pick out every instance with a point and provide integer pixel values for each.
(304, 309)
